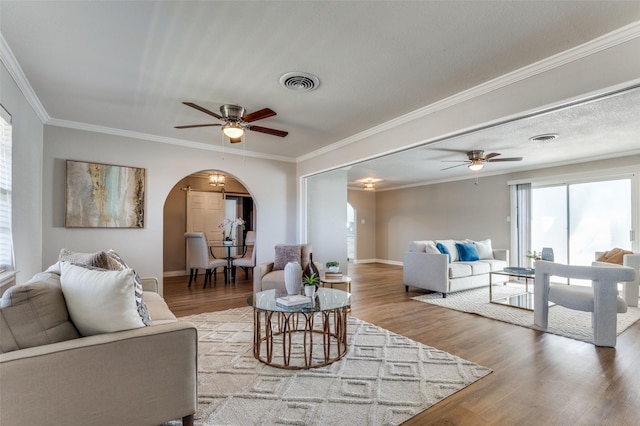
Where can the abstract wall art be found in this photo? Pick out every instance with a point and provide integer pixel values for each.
(104, 196)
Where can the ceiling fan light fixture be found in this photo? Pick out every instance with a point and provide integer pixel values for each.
(233, 130)
(476, 165)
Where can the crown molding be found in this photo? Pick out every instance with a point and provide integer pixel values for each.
(607, 41)
(161, 139)
(15, 71)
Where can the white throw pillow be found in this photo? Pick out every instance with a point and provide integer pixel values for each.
(417, 246)
(100, 301)
(422, 246)
(430, 248)
(484, 249)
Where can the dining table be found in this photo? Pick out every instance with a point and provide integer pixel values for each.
(229, 257)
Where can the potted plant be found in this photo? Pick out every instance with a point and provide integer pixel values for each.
(311, 282)
(333, 266)
(231, 225)
(533, 255)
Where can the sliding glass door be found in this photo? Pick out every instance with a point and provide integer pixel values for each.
(578, 219)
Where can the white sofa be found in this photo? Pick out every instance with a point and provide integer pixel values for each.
(426, 267)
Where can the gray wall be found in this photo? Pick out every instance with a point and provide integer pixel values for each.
(462, 209)
(452, 210)
(166, 165)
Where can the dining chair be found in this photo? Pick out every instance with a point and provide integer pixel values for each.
(248, 259)
(198, 258)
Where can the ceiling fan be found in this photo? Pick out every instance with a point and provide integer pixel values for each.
(235, 121)
(477, 159)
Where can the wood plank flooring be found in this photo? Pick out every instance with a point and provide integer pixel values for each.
(538, 378)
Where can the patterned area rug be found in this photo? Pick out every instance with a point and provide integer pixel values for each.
(562, 321)
(384, 378)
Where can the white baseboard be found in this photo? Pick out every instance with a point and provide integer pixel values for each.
(169, 274)
(388, 262)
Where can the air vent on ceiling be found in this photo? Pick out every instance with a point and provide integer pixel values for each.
(544, 138)
(299, 81)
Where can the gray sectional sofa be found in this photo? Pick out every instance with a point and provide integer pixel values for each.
(436, 265)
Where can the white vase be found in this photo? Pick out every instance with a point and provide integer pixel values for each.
(293, 277)
(334, 268)
(310, 290)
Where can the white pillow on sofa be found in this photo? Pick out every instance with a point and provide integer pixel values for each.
(426, 246)
(430, 248)
(484, 249)
(100, 301)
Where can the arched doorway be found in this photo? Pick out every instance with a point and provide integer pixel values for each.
(233, 193)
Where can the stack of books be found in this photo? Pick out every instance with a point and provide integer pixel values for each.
(293, 300)
(332, 275)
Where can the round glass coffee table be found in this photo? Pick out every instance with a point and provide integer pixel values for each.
(284, 335)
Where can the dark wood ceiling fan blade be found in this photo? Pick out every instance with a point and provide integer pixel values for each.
(196, 125)
(488, 156)
(206, 111)
(259, 115)
(495, 160)
(457, 165)
(269, 131)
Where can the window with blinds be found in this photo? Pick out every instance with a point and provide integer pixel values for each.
(6, 241)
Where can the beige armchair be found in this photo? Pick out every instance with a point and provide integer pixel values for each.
(270, 275)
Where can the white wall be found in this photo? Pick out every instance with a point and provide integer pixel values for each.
(327, 217)
(26, 178)
(364, 203)
(271, 184)
(586, 70)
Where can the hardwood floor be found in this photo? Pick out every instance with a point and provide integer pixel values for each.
(537, 379)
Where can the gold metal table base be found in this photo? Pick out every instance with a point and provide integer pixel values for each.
(285, 326)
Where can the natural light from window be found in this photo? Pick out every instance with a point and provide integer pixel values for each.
(6, 243)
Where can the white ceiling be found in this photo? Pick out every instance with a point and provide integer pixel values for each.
(128, 65)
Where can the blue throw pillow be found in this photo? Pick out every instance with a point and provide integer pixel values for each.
(444, 250)
(467, 252)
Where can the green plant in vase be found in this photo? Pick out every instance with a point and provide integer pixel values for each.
(311, 283)
(533, 255)
(333, 265)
